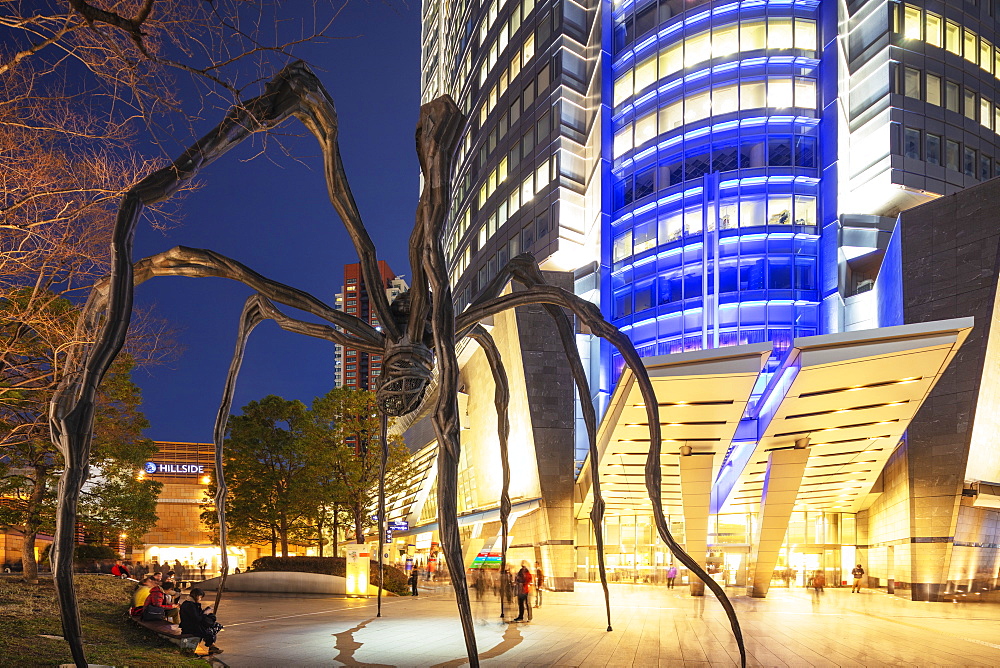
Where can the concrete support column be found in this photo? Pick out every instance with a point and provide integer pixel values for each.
(781, 487)
(696, 496)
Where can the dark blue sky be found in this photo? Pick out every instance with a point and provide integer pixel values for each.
(272, 213)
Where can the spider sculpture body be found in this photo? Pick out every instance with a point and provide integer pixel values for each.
(416, 340)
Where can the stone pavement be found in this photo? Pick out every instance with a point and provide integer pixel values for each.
(652, 626)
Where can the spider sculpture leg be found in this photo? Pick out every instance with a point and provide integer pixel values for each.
(384, 436)
(525, 271)
(437, 136)
(591, 316)
(501, 398)
(71, 415)
(256, 309)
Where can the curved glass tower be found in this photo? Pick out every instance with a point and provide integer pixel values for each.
(716, 207)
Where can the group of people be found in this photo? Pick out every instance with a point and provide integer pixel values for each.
(158, 598)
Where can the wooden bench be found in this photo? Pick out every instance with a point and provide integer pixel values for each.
(171, 632)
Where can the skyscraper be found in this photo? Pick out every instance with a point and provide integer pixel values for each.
(354, 368)
(721, 173)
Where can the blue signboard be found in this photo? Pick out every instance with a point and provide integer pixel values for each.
(399, 525)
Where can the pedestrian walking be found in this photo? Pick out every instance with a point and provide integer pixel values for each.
(539, 584)
(201, 568)
(858, 573)
(671, 576)
(414, 577)
(523, 588)
(818, 583)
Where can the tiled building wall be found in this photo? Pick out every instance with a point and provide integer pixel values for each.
(179, 510)
(976, 552)
(950, 270)
(885, 527)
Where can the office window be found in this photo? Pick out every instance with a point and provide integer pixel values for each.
(985, 165)
(671, 116)
(725, 41)
(969, 162)
(986, 113)
(951, 154)
(779, 210)
(934, 89)
(805, 210)
(645, 128)
(986, 55)
(623, 88)
(697, 107)
(644, 236)
(911, 83)
(672, 60)
(753, 36)
(645, 74)
(911, 143)
(933, 149)
(623, 246)
(697, 48)
(725, 100)
(912, 24)
(996, 118)
(971, 47)
(953, 38)
(779, 93)
(805, 93)
(780, 34)
(805, 152)
(752, 95)
(952, 96)
(671, 227)
(779, 152)
(933, 29)
(623, 141)
(805, 34)
(970, 104)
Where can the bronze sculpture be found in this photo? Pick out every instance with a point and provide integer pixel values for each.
(417, 334)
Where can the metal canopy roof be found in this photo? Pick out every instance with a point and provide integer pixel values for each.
(851, 394)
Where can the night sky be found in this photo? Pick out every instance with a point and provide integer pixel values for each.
(272, 213)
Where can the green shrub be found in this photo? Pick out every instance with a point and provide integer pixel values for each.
(85, 552)
(395, 579)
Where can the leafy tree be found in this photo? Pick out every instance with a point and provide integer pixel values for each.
(115, 501)
(346, 436)
(269, 473)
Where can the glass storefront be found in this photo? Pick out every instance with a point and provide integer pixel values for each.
(815, 541)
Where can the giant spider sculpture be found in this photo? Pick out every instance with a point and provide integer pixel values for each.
(417, 338)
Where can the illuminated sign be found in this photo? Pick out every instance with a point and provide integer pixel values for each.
(399, 525)
(190, 469)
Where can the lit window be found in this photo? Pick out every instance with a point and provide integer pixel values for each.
(934, 89)
(527, 190)
(753, 36)
(805, 210)
(805, 93)
(502, 171)
(725, 41)
(996, 119)
(996, 62)
(645, 128)
(752, 95)
(645, 74)
(483, 236)
(779, 34)
(751, 211)
(515, 64)
(482, 196)
(692, 221)
(953, 38)
(644, 236)
(933, 25)
(542, 172)
(779, 211)
(504, 36)
(671, 227)
(672, 60)
(779, 93)
(986, 55)
(805, 34)
(697, 48)
(514, 201)
(986, 113)
(671, 116)
(911, 83)
(725, 100)
(529, 49)
(623, 141)
(912, 23)
(623, 88)
(697, 107)
(491, 183)
(971, 47)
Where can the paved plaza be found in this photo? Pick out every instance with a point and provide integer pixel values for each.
(652, 626)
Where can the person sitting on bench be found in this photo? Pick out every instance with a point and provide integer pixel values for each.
(141, 592)
(157, 600)
(199, 621)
